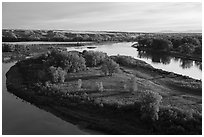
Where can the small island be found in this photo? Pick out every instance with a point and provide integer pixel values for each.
(113, 94)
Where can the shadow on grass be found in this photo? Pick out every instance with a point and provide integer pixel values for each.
(84, 77)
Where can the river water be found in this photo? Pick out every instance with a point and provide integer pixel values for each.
(20, 117)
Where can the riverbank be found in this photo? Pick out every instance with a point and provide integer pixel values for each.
(117, 110)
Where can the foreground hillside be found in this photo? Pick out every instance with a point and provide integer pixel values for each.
(9, 35)
(117, 94)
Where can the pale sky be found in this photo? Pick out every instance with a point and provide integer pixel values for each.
(135, 16)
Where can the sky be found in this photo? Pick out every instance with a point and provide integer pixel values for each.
(115, 16)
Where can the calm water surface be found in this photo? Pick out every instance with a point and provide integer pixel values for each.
(180, 66)
(20, 117)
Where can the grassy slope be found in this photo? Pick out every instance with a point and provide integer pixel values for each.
(173, 95)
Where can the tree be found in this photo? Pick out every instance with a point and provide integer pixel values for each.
(191, 40)
(109, 67)
(56, 74)
(150, 102)
(94, 58)
(145, 41)
(198, 50)
(74, 62)
(186, 48)
(176, 41)
(159, 44)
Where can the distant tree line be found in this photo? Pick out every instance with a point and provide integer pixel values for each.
(58, 36)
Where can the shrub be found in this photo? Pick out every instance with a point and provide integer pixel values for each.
(51, 88)
(56, 74)
(94, 58)
(109, 67)
(150, 102)
(125, 86)
(100, 86)
(133, 85)
(79, 84)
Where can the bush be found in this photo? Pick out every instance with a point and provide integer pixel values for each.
(150, 102)
(94, 58)
(99, 86)
(133, 85)
(51, 88)
(79, 84)
(56, 74)
(109, 67)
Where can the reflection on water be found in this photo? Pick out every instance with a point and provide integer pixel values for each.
(155, 57)
(198, 64)
(166, 59)
(186, 63)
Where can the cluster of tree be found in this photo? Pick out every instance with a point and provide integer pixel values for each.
(109, 67)
(183, 44)
(94, 58)
(53, 66)
(69, 61)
